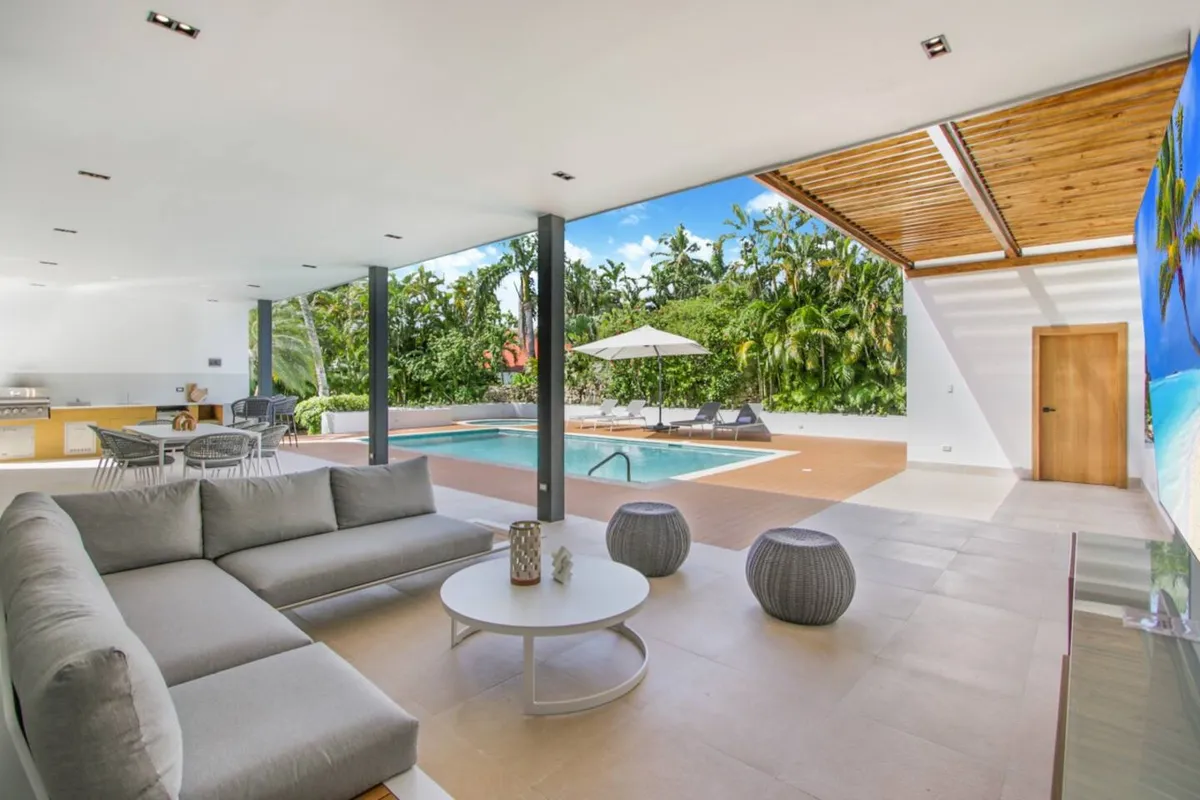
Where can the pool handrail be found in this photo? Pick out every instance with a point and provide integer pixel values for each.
(628, 466)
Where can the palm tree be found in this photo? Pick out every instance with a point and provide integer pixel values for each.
(1177, 234)
(314, 344)
(677, 275)
(291, 352)
(519, 259)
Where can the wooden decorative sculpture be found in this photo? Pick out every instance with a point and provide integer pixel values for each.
(183, 421)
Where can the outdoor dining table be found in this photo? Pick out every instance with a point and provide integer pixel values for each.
(166, 436)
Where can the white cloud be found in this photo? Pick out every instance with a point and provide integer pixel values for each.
(455, 265)
(492, 251)
(760, 203)
(637, 254)
(575, 252)
(630, 219)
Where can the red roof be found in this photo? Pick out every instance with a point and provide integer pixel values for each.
(515, 356)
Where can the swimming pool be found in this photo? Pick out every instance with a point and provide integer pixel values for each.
(516, 422)
(650, 461)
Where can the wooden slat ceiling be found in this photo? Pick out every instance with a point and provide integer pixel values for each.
(1065, 168)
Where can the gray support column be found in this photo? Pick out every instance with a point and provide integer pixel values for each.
(551, 368)
(377, 364)
(266, 375)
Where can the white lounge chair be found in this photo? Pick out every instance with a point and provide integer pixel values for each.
(749, 418)
(605, 413)
(632, 412)
(709, 414)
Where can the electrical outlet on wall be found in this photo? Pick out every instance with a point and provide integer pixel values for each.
(179, 389)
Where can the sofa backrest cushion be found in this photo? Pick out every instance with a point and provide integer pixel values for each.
(366, 495)
(249, 512)
(97, 714)
(138, 527)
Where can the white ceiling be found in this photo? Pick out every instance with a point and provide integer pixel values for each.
(302, 131)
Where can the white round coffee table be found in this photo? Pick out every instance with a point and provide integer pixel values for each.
(601, 594)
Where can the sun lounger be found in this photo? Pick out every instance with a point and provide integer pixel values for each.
(749, 418)
(604, 414)
(632, 413)
(709, 414)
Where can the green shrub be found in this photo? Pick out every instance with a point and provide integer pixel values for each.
(308, 412)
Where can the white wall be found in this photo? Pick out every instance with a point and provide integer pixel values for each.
(970, 356)
(843, 426)
(115, 348)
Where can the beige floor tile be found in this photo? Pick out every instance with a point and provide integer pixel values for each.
(958, 655)
(896, 573)
(1022, 787)
(855, 758)
(885, 599)
(1039, 555)
(973, 721)
(917, 533)
(1002, 570)
(666, 763)
(1007, 627)
(925, 555)
(1051, 638)
(974, 589)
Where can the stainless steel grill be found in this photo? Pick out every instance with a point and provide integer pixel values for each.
(19, 402)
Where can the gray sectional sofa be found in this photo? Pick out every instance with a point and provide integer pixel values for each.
(146, 653)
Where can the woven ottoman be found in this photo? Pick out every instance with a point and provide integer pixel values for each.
(800, 576)
(653, 538)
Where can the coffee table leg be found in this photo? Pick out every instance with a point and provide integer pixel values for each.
(458, 634)
(530, 677)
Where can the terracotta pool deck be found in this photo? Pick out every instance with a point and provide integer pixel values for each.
(728, 509)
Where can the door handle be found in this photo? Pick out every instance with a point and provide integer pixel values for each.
(1047, 409)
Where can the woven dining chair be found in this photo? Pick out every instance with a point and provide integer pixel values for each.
(269, 446)
(255, 427)
(285, 414)
(258, 409)
(128, 451)
(238, 409)
(218, 451)
(105, 461)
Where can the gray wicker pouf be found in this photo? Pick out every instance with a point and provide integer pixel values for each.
(800, 576)
(653, 538)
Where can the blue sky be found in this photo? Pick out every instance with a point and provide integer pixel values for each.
(1168, 349)
(630, 234)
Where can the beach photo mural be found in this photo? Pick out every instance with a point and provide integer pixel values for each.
(1167, 234)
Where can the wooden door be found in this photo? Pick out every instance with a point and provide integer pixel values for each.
(1079, 404)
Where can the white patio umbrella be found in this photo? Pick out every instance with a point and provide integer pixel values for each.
(644, 343)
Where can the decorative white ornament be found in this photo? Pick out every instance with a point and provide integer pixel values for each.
(562, 565)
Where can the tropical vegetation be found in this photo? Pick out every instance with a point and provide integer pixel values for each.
(803, 319)
(1177, 234)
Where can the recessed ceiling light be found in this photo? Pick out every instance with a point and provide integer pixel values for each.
(309, 266)
(40, 285)
(253, 286)
(392, 236)
(164, 21)
(114, 277)
(95, 175)
(937, 46)
(64, 230)
(212, 301)
(49, 263)
(565, 176)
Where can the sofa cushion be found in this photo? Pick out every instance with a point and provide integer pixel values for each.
(365, 495)
(248, 512)
(303, 569)
(307, 725)
(138, 527)
(97, 713)
(196, 619)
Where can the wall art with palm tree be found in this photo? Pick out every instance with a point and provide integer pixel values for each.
(1167, 235)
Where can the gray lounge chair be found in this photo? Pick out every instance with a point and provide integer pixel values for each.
(603, 415)
(709, 414)
(749, 418)
(632, 413)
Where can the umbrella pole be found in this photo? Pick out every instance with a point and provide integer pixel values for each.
(659, 428)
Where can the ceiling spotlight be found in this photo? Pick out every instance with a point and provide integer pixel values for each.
(309, 266)
(64, 230)
(565, 176)
(253, 286)
(164, 21)
(392, 236)
(39, 285)
(212, 301)
(95, 175)
(49, 263)
(937, 46)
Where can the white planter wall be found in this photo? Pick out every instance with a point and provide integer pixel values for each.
(434, 417)
(840, 426)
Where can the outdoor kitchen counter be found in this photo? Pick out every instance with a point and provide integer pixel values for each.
(66, 435)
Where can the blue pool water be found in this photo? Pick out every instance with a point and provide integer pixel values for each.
(492, 423)
(651, 461)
